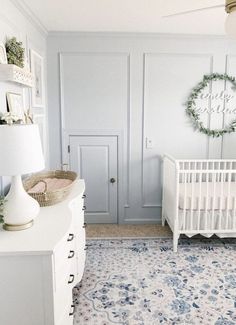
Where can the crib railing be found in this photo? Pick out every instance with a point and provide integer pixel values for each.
(199, 196)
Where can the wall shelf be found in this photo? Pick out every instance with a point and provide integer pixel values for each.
(13, 73)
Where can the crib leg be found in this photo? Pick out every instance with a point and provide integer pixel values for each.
(175, 242)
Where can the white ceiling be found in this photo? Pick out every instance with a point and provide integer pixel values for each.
(128, 15)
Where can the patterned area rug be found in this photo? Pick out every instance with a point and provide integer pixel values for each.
(142, 282)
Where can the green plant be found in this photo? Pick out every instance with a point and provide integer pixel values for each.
(15, 52)
(2, 201)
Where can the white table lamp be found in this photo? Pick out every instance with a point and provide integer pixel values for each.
(20, 153)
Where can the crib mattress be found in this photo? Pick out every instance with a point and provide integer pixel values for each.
(194, 201)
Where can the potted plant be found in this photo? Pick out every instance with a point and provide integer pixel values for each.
(15, 52)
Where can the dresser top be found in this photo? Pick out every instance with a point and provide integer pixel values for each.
(50, 226)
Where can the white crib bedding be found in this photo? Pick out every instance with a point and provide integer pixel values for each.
(185, 195)
(205, 222)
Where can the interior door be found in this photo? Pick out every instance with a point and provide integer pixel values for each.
(94, 158)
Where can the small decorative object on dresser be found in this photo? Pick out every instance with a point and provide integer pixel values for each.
(38, 75)
(3, 54)
(40, 266)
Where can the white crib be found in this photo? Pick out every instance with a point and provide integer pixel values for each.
(199, 197)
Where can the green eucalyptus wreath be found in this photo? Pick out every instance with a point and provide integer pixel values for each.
(191, 105)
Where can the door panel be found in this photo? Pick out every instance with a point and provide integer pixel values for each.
(95, 160)
(94, 168)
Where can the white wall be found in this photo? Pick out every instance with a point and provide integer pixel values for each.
(136, 84)
(14, 22)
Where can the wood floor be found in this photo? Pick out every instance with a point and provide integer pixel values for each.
(126, 231)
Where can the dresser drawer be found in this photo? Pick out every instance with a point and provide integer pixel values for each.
(79, 219)
(66, 274)
(65, 250)
(79, 237)
(77, 205)
(68, 316)
(62, 303)
(78, 212)
(80, 265)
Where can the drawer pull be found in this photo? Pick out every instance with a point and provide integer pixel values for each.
(85, 225)
(73, 310)
(84, 208)
(70, 237)
(71, 254)
(71, 279)
(84, 196)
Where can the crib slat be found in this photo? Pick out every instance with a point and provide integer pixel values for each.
(192, 198)
(206, 202)
(233, 213)
(221, 199)
(228, 199)
(218, 175)
(184, 210)
(199, 200)
(188, 179)
(225, 198)
(213, 202)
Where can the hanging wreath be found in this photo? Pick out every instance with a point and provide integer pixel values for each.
(195, 116)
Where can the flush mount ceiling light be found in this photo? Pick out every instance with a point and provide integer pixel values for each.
(230, 8)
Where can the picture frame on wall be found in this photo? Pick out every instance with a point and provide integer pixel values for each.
(36, 63)
(15, 105)
(3, 54)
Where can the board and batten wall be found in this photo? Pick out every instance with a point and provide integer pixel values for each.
(135, 85)
(14, 21)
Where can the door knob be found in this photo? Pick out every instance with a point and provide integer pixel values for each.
(112, 180)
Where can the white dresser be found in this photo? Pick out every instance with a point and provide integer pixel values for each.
(40, 266)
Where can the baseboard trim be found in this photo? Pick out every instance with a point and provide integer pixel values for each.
(142, 221)
(127, 238)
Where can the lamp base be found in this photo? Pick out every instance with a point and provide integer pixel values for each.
(18, 227)
(20, 208)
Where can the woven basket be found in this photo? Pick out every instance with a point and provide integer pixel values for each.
(47, 198)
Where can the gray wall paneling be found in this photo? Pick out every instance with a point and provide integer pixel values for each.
(152, 77)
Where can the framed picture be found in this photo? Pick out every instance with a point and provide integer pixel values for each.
(36, 62)
(3, 54)
(15, 105)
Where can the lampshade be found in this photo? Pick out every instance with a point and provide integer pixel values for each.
(230, 25)
(20, 150)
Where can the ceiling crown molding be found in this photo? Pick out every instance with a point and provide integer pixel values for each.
(32, 18)
(145, 35)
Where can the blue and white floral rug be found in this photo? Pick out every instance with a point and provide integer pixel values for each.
(142, 282)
